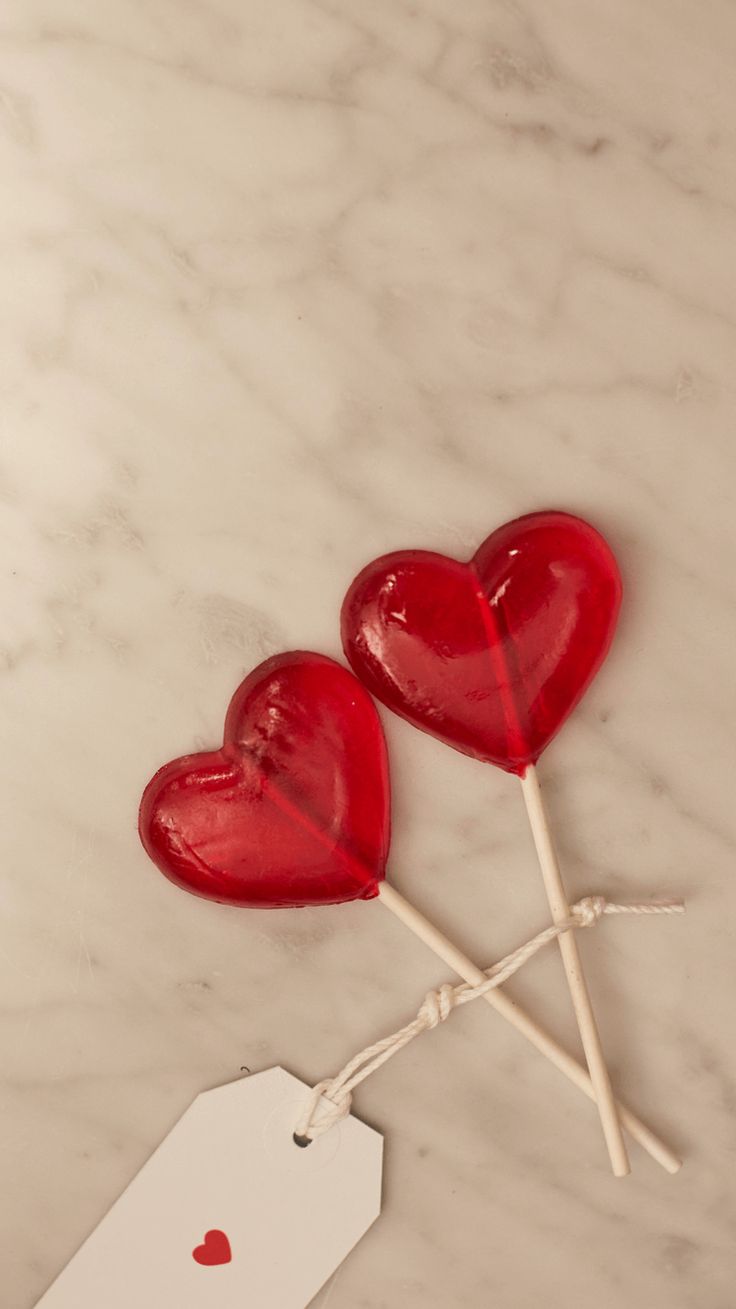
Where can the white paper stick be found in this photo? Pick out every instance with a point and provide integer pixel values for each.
(580, 996)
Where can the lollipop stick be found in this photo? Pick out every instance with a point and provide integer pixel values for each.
(514, 1014)
(574, 972)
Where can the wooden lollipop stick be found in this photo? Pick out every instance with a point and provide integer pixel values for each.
(514, 1014)
(587, 1026)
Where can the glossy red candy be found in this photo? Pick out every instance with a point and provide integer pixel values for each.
(491, 655)
(293, 809)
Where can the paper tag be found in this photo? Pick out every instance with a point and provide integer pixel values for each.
(229, 1212)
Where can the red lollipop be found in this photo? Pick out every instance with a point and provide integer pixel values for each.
(293, 810)
(491, 656)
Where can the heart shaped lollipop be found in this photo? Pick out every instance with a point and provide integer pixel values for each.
(491, 657)
(293, 809)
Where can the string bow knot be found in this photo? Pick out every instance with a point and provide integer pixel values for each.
(437, 1006)
(588, 910)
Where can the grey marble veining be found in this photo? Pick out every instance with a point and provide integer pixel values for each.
(284, 287)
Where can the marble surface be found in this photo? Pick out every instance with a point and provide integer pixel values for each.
(285, 286)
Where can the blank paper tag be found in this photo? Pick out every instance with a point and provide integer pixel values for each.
(229, 1213)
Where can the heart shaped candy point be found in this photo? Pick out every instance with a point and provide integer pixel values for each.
(492, 655)
(293, 809)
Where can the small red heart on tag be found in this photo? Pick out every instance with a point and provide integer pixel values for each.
(215, 1249)
(491, 655)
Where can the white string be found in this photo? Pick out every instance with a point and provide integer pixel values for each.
(438, 1005)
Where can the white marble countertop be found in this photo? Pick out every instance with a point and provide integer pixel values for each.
(284, 287)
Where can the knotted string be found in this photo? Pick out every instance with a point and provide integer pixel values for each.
(437, 1006)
